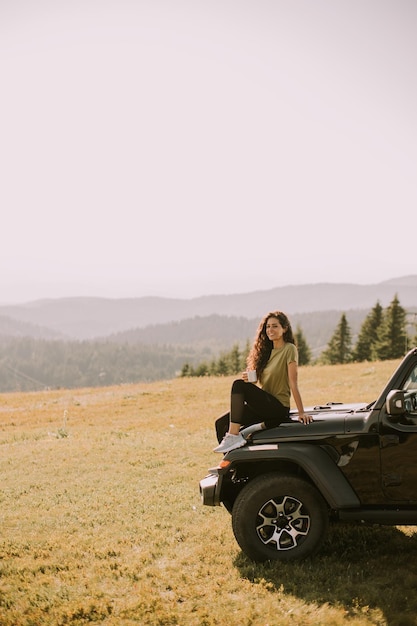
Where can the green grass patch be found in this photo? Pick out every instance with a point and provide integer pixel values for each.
(104, 525)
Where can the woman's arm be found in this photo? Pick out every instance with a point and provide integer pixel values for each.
(293, 380)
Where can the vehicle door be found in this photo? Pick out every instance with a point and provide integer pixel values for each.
(398, 445)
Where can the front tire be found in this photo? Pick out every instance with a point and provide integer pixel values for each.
(282, 518)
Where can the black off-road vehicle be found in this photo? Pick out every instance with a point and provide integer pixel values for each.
(353, 463)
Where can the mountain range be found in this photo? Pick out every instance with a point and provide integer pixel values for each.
(89, 318)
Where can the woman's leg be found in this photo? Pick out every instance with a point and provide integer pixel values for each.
(222, 426)
(250, 404)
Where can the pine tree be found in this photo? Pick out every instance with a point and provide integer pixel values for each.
(392, 339)
(213, 368)
(339, 347)
(413, 331)
(186, 370)
(304, 352)
(245, 355)
(234, 360)
(368, 335)
(202, 369)
(222, 367)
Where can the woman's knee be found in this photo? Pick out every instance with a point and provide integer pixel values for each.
(238, 386)
(277, 420)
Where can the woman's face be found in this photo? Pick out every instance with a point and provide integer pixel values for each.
(274, 330)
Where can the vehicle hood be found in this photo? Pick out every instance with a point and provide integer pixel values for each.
(328, 419)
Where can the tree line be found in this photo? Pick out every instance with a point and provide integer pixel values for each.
(234, 361)
(382, 336)
(28, 363)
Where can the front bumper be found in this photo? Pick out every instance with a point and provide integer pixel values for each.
(210, 489)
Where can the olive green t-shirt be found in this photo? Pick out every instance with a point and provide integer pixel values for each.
(274, 378)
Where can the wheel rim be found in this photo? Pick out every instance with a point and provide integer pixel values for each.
(283, 523)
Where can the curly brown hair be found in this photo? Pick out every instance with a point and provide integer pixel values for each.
(262, 346)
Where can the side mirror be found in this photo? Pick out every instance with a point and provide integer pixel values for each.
(395, 404)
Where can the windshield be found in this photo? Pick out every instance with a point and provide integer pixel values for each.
(411, 382)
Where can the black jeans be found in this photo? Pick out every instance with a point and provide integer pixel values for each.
(250, 404)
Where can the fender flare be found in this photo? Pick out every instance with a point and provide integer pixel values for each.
(316, 463)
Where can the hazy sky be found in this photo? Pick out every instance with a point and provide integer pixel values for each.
(191, 147)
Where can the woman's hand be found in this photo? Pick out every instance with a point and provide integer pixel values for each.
(305, 419)
(245, 376)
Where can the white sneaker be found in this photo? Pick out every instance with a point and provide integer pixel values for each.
(230, 442)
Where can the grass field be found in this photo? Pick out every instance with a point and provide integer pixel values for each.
(101, 520)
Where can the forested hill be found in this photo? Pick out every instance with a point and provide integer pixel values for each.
(88, 318)
(10, 327)
(218, 332)
(156, 352)
(80, 342)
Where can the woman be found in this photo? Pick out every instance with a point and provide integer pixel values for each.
(274, 356)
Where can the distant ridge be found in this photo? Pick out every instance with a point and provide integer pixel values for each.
(405, 281)
(15, 328)
(87, 318)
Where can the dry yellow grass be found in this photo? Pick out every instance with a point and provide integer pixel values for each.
(101, 520)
